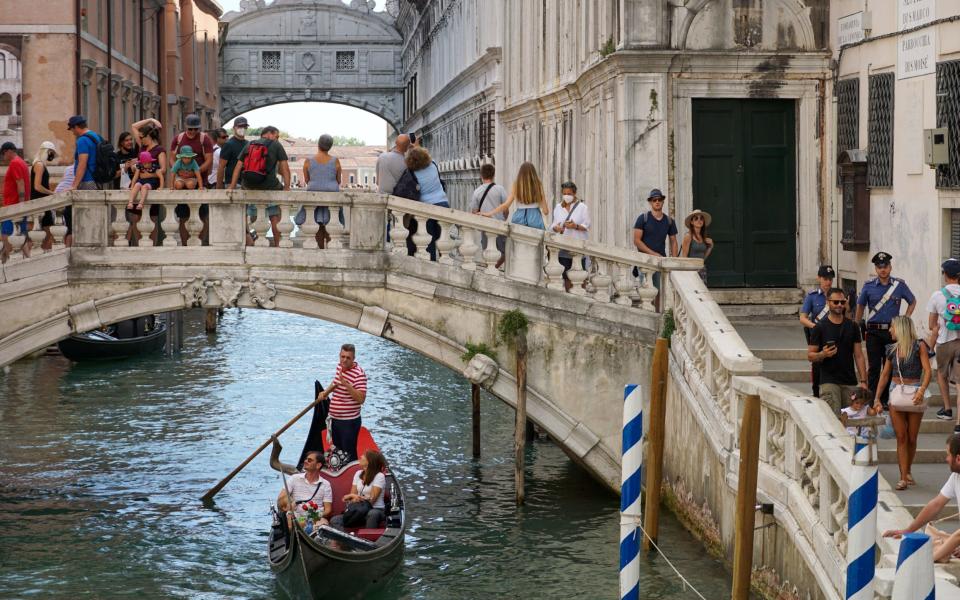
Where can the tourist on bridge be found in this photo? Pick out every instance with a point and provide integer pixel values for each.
(650, 233)
(527, 192)
(322, 173)
(835, 344)
(40, 187)
(944, 545)
(432, 191)
(85, 156)
(391, 164)
(202, 147)
(147, 133)
(814, 309)
(219, 137)
(308, 486)
(882, 296)
(943, 321)
(488, 195)
(695, 243)
(127, 154)
(347, 393)
(16, 186)
(186, 171)
(259, 163)
(571, 218)
(230, 152)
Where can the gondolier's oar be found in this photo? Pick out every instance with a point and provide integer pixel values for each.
(216, 489)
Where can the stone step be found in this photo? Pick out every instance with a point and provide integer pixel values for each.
(930, 449)
(930, 478)
(738, 313)
(758, 296)
(766, 354)
(784, 371)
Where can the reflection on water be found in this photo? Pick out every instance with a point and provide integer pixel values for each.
(101, 468)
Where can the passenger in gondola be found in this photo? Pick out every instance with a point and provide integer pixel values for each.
(308, 486)
(367, 489)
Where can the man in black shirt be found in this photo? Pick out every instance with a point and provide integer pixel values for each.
(835, 344)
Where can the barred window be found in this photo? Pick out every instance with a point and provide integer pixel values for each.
(948, 115)
(270, 60)
(955, 232)
(880, 131)
(488, 138)
(848, 116)
(346, 61)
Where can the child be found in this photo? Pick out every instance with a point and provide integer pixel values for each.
(859, 408)
(146, 176)
(187, 171)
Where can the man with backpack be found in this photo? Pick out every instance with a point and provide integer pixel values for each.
(259, 164)
(94, 161)
(944, 324)
(651, 230)
(486, 197)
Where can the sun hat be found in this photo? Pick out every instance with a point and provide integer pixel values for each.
(145, 158)
(706, 217)
(655, 193)
(48, 146)
(186, 152)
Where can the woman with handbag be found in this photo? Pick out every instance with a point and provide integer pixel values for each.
(907, 369)
(365, 506)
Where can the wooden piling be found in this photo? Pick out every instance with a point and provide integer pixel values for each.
(210, 320)
(475, 401)
(520, 428)
(658, 419)
(746, 498)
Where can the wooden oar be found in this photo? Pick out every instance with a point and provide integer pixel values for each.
(216, 489)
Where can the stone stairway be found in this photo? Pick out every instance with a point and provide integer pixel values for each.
(770, 304)
(782, 347)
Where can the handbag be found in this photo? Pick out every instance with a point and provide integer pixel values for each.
(901, 395)
(407, 186)
(355, 515)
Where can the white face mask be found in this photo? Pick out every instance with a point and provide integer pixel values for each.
(240, 131)
(567, 198)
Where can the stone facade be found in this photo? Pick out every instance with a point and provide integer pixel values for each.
(11, 119)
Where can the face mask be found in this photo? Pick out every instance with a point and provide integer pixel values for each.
(240, 131)
(567, 198)
(50, 155)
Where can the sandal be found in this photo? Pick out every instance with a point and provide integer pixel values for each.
(910, 480)
(901, 485)
(140, 205)
(130, 205)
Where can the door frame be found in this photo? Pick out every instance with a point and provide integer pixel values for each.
(804, 94)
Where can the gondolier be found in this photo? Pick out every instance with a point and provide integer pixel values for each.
(347, 393)
(882, 296)
(814, 308)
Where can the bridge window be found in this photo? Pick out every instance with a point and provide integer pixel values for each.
(6, 104)
(270, 60)
(346, 60)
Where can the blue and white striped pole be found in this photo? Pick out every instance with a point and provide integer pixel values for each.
(862, 521)
(630, 508)
(914, 580)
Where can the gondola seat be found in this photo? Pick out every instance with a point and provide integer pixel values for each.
(367, 534)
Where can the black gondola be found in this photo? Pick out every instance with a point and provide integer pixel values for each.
(132, 337)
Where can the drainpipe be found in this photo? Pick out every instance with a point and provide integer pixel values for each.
(77, 100)
(187, 41)
(109, 126)
(140, 49)
(169, 66)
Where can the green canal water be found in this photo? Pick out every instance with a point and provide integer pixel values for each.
(101, 468)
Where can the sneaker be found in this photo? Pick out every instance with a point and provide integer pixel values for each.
(956, 428)
(945, 414)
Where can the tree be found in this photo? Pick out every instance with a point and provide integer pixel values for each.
(342, 140)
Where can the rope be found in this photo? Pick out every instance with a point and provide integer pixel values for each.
(686, 582)
(947, 518)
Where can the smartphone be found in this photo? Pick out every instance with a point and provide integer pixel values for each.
(829, 344)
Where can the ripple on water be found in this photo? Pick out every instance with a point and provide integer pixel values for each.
(101, 467)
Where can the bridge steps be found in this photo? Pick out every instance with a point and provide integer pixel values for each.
(767, 304)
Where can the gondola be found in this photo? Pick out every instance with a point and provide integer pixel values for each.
(123, 340)
(329, 563)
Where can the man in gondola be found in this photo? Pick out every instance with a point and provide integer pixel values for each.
(347, 393)
(307, 486)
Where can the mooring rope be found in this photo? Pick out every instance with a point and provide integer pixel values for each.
(686, 582)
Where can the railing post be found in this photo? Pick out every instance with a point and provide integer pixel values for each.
(746, 497)
(91, 220)
(367, 217)
(914, 579)
(631, 463)
(656, 435)
(524, 254)
(862, 521)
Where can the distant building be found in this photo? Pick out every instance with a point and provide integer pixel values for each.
(358, 163)
(11, 121)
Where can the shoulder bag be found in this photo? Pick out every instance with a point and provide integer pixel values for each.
(901, 395)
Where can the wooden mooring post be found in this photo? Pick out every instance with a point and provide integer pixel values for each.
(475, 402)
(520, 428)
(210, 320)
(658, 419)
(746, 498)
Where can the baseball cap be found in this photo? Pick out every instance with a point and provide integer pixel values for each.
(193, 121)
(951, 267)
(76, 121)
(240, 122)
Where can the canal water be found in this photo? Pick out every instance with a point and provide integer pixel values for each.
(101, 468)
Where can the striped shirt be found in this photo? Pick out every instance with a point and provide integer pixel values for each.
(342, 405)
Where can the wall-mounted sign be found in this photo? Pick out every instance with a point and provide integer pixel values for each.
(914, 13)
(850, 29)
(917, 54)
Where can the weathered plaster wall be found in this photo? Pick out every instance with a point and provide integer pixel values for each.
(48, 93)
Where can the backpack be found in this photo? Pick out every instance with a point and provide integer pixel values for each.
(951, 312)
(105, 160)
(407, 186)
(643, 220)
(255, 162)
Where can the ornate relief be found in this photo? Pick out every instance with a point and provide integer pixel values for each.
(481, 370)
(308, 61)
(251, 5)
(226, 292)
(262, 292)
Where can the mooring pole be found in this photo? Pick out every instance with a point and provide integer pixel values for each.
(210, 320)
(631, 463)
(746, 497)
(656, 437)
(475, 401)
(520, 428)
(862, 514)
(914, 577)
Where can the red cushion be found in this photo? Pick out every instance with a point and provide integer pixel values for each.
(341, 483)
(370, 534)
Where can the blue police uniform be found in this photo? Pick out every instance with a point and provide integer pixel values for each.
(878, 324)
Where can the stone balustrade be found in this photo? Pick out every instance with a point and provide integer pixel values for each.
(371, 222)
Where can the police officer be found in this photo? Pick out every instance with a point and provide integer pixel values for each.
(882, 296)
(815, 308)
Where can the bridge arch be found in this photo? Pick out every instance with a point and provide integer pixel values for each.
(310, 50)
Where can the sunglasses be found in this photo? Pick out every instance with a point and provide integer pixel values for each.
(697, 219)
(838, 302)
(660, 200)
(193, 129)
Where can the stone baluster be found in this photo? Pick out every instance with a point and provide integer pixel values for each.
(422, 239)
(194, 226)
(624, 284)
(58, 230)
(261, 226)
(17, 239)
(601, 282)
(554, 270)
(37, 234)
(285, 227)
(577, 276)
(445, 245)
(398, 234)
(309, 229)
(469, 247)
(491, 255)
(335, 230)
(171, 227)
(119, 225)
(646, 291)
(145, 226)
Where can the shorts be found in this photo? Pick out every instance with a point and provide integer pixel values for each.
(531, 217)
(6, 228)
(501, 242)
(47, 219)
(321, 215)
(836, 395)
(947, 355)
(272, 211)
(567, 262)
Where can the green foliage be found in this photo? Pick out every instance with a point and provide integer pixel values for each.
(342, 140)
(669, 324)
(608, 48)
(253, 132)
(512, 325)
(475, 349)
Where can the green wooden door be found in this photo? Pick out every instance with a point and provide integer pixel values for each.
(744, 175)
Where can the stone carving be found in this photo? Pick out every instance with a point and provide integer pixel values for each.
(262, 292)
(363, 5)
(308, 27)
(308, 61)
(226, 292)
(251, 5)
(194, 292)
(481, 370)
(308, 81)
(235, 80)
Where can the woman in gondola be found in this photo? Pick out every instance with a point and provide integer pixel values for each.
(368, 485)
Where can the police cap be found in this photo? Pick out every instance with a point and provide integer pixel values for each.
(881, 258)
(826, 271)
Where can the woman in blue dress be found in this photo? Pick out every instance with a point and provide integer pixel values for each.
(527, 192)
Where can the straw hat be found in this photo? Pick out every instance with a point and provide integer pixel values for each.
(706, 217)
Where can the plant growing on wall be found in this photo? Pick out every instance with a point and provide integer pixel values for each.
(475, 349)
(608, 48)
(512, 327)
(669, 325)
